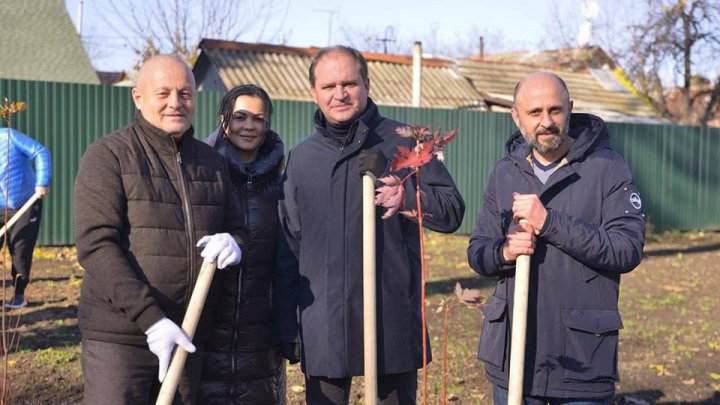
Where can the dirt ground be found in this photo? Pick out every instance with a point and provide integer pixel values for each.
(669, 349)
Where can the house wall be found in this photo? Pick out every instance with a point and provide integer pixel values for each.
(207, 77)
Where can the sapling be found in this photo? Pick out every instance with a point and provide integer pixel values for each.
(7, 110)
(391, 195)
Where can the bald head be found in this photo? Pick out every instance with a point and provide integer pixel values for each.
(541, 110)
(160, 63)
(541, 79)
(165, 94)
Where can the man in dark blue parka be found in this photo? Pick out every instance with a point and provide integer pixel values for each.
(321, 216)
(584, 229)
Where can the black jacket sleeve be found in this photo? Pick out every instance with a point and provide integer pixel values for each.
(286, 278)
(617, 244)
(488, 236)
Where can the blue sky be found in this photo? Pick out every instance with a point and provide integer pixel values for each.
(522, 24)
(309, 26)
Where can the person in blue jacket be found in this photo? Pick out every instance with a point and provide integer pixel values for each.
(18, 183)
(321, 218)
(584, 229)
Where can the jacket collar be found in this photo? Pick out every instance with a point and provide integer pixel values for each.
(359, 128)
(162, 141)
(588, 132)
(270, 157)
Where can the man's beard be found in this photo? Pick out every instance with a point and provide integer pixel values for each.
(554, 143)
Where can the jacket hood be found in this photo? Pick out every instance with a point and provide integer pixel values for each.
(270, 156)
(588, 131)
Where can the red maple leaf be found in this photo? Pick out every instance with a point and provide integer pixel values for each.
(446, 138)
(405, 132)
(410, 214)
(415, 131)
(469, 297)
(390, 196)
(407, 158)
(427, 145)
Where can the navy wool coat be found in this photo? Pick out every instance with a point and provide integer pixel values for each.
(321, 278)
(593, 233)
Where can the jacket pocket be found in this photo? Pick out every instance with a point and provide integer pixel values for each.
(493, 338)
(590, 343)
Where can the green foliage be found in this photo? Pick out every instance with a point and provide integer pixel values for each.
(57, 356)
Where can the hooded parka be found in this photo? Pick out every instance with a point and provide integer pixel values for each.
(321, 216)
(241, 364)
(594, 232)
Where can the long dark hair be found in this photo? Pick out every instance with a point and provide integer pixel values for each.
(228, 102)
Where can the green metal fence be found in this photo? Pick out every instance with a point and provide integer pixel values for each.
(671, 164)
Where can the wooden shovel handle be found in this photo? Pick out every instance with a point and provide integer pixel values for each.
(519, 329)
(19, 213)
(369, 290)
(192, 316)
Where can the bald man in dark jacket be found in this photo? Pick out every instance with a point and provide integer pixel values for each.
(585, 228)
(145, 196)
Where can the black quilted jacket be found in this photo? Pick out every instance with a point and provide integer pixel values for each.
(241, 364)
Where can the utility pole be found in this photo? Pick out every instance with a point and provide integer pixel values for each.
(331, 13)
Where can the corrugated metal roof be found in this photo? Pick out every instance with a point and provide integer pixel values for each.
(282, 71)
(498, 80)
(568, 59)
(40, 43)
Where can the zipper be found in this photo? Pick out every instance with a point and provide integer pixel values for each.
(239, 297)
(233, 369)
(189, 226)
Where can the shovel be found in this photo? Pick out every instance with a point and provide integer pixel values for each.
(519, 328)
(192, 316)
(19, 213)
(369, 290)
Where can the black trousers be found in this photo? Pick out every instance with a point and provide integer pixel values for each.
(117, 374)
(21, 243)
(393, 389)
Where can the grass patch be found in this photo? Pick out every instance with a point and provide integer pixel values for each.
(669, 300)
(57, 356)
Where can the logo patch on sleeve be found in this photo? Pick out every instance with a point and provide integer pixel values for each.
(635, 201)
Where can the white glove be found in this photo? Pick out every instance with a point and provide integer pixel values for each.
(220, 248)
(162, 337)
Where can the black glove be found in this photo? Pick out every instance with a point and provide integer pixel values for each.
(372, 161)
(291, 351)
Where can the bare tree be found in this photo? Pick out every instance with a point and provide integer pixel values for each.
(149, 27)
(561, 27)
(609, 26)
(679, 36)
(664, 46)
